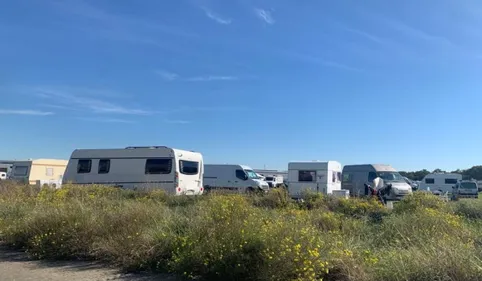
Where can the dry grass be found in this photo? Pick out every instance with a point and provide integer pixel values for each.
(237, 237)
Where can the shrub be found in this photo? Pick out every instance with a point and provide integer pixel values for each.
(417, 201)
(469, 208)
(275, 199)
(239, 237)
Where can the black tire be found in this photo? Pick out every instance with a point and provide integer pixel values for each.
(207, 189)
(250, 190)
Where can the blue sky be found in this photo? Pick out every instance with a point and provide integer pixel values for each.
(258, 82)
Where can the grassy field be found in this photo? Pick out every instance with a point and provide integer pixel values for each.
(239, 237)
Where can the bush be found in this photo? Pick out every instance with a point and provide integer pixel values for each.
(239, 237)
(417, 201)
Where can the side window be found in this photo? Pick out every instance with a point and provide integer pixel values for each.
(240, 174)
(372, 176)
(429, 181)
(158, 166)
(188, 167)
(338, 176)
(49, 172)
(84, 166)
(333, 177)
(450, 181)
(307, 176)
(104, 166)
(347, 177)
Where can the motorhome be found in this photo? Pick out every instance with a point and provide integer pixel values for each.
(440, 182)
(234, 177)
(356, 176)
(49, 171)
(274, 180)
(176, 171)
(323, 177)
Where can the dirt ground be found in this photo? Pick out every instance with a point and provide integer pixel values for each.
(15, 266)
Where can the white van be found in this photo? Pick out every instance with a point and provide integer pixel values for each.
(274, 180)
(324, 177)
(466, 189)
(356, 176)
(232, 177)
(440, 182)
(177, 171)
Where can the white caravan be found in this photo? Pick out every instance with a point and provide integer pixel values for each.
(274, 180)
(176, 171)
(232, 177)
(324, 177)
(440, 182)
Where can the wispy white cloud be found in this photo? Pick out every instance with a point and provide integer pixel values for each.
(84, 99)
(366, 35)
(211, 78)
(170, 76)
(264, 15)
(106, 120)
(217, 18)
(320, 61)
(180, 122)
(25, 112)
(417, 33)
(166, 75)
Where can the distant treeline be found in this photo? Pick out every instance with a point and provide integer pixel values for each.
(473, 173)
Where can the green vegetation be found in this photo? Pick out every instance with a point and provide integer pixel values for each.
(240, 237)
(473, 173)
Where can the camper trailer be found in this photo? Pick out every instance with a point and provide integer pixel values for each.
(177, 171)
(324, 177)
(39, 171)
(355, 177)
(234, 177)
(440, 182)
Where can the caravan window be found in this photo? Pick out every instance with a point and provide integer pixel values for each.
(84, 166)
(104, 166)
(158, 166)
(307, 176)
(20, 171)
(450, 181)
(188, 167)
(429, 181)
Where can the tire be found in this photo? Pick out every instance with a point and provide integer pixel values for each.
(207, 189)
(250, 190)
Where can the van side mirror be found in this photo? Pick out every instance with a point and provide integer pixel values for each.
(245, 177)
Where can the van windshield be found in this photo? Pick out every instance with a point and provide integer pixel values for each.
(251, 174)
(391, 176)
(468, 185)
